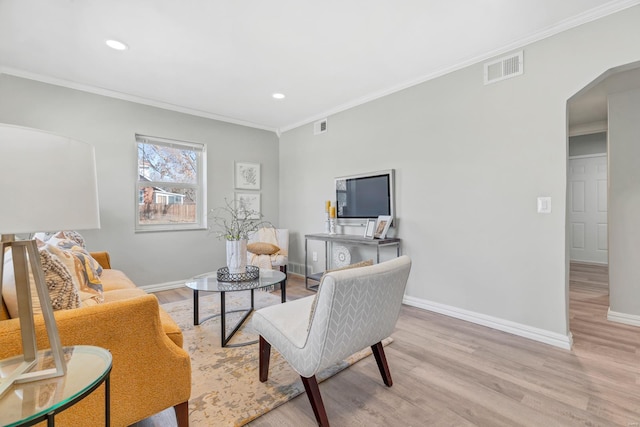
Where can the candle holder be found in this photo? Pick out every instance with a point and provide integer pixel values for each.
(332, 226)
(327, 226)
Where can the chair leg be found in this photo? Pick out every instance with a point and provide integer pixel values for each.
(313, 393)
(182, 414)
(381, 359)
(265, 354)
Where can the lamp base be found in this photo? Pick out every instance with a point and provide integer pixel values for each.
(22, 373)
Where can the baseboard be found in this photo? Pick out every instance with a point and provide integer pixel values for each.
(627, 319)
(536, 334)
(163, 286)
(294, 267)
(293, 273)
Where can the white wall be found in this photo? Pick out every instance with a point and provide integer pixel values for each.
(470, 162)
(624, 205)
(110, 125)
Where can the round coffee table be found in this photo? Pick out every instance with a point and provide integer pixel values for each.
(209, 283)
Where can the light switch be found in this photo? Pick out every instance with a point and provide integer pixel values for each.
(544, 205)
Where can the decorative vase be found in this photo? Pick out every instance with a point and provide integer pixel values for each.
(332, 226)
(237, 256)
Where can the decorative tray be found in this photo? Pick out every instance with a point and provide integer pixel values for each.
(252, 273)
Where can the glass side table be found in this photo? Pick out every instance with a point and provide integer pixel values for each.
(29, 403)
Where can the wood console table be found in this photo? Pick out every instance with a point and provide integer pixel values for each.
(348, 239)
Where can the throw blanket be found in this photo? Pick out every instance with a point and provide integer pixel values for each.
(266, 235)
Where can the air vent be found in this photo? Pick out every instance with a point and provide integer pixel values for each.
(504, 68)
(320, 127)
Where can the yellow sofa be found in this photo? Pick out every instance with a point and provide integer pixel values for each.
(151, 371)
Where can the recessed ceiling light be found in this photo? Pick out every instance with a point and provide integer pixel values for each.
(278, 95)
(115, 44)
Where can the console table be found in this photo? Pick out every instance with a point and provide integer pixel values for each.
(348, 239)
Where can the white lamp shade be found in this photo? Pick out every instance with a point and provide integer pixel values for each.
(47, 182)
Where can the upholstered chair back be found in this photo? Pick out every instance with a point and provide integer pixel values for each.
(273, 236)
(354, 309)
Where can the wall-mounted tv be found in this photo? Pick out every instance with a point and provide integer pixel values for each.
(363, 196)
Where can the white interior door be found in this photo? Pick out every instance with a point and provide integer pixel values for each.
(588, 209)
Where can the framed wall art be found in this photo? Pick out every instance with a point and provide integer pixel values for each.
(247, 176)
(249, 202)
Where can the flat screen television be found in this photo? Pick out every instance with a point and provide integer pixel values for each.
(363, 196)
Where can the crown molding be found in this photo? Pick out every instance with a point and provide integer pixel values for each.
(575, 21)
(131, 98)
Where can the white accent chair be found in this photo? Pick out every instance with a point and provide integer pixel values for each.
(353, 309)
(276, 236)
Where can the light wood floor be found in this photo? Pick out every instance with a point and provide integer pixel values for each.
(454, 373)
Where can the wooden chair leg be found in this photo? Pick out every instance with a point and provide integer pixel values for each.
(381, 359)
(313, 393)
(182, 414)
(265, 354)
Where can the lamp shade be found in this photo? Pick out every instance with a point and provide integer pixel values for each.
(48, 182)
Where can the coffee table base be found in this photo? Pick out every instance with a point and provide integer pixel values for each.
(224, 338)
(209, 283)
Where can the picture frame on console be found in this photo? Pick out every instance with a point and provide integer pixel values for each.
(382, 226)
(370, 229)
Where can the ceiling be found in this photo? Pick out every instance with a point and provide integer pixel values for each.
(225, 59)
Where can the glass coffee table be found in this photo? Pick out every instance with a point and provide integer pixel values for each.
(209, 283)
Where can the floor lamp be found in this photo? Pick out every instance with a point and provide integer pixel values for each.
(49, 184)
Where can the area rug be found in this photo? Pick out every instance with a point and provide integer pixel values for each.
(225, 388)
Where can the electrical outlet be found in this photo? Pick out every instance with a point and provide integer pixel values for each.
(314, 256)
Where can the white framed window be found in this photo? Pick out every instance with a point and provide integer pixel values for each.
(170, 189)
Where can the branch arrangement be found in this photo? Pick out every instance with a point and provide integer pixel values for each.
(235, 222)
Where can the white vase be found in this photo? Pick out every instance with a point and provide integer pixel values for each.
(237, 256)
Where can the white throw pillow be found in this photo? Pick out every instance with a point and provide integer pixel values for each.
(62, 291)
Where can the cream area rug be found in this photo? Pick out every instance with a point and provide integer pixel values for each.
(225, 387)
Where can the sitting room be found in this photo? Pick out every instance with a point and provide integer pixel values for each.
(249, 165)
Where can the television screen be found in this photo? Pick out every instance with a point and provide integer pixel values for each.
(366, 196)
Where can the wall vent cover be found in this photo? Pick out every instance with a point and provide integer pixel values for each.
(320, 127)
(504, 68)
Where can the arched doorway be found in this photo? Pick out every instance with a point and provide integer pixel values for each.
(590, 143)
